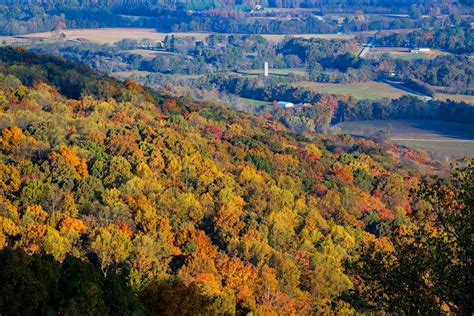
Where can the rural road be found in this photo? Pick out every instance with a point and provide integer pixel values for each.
(367, 47)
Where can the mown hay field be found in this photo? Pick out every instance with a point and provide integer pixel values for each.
(441, 138)
(112, 35)
(360, 90)
(403, 53)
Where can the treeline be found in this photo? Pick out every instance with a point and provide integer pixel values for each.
(419, 87)
(151, 204)
(16, 19)
(388, 22)
(454, 39)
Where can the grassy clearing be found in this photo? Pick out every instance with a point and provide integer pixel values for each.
(360, 90)
(247, 101)
(112, 35)
(250, 105)
(444, 139)
(403, 53)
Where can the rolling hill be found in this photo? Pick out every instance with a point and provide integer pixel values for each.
(116, 199)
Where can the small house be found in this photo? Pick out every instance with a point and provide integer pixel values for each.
(420, 50)
(286, 105)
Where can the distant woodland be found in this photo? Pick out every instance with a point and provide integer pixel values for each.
(22, 17)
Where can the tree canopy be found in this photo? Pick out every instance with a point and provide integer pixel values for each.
(118, 199)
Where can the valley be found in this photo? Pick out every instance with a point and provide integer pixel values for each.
(146, 55)
(189, 157)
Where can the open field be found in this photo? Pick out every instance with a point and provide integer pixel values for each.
(150, 54)
(273, 71)
(360, 90)
(403, 53)
(438, 137)
(455, 97)
(9, 40)
(250, 105)
(290, 10)
(112, 35)
(280, 37)
(247, 101)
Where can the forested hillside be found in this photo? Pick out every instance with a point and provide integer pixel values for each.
(115, 199)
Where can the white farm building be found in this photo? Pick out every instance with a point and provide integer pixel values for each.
(286, 105)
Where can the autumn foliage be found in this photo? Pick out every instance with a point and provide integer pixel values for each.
(192, 205)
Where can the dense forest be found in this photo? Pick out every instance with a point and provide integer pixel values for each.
(118, 199)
